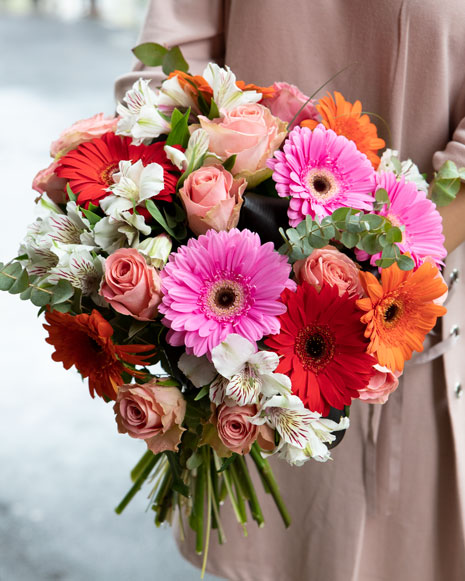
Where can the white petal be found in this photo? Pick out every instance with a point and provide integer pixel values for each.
(198, 369)
(176, 157)
(244, 389)
(230, 356)
(264, 361)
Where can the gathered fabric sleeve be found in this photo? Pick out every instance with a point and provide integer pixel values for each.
(196, 27)
(454, 150)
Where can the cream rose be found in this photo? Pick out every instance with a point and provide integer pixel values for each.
(249, 131)
(212, 198)
(130, 285)
(329, 265)
(152, 412)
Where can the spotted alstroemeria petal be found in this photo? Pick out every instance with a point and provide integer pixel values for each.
(244, 388)
(217, 390)
(264, 361)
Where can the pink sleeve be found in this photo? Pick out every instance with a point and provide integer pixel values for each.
(197, 27)
(454, 150)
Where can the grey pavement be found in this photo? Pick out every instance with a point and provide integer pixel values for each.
(63, 466)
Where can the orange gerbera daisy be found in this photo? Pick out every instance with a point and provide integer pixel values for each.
(400, 311)
(346, 119)
(267, 92)
(85, 342)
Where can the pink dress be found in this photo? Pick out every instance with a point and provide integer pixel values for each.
(390, 506)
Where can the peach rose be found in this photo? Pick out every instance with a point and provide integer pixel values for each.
(152, 412)
(286, 101)
(234, 428)
(212, 198)
(381, 385)
(249, 131)
(46, 181)
(329, 265)
(130, 285)
(80, 132)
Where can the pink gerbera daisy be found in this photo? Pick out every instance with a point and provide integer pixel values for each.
(222, 283)
(411, 209)
(321, 171)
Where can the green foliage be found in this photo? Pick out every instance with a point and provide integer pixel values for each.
(179, 134)
(150, 53)
(446, 183)
(71, 195)
(171, 223)
(214, 112)
(15, 279)
(353, 229)
(228, 164)
(153, 54)
(91, 216)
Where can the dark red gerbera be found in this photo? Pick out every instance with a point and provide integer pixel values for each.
(322, 347)
(85, 342)
(90, 167)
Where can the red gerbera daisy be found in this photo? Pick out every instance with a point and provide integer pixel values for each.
(90, 167)
(322, 347)
(85, 342)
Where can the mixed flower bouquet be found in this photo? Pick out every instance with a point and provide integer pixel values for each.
(251, 243)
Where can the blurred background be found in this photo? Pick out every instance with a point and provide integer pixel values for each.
(63, 466)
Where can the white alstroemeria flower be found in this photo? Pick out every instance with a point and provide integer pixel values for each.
(50, 227)
(249, 372)
(134, 183)
(226, 93)
(391, 162)
(156, 250)
(113, 233)
(198, 369)
(78, 266)
(172, 95)
(196, 150)
(303, 433)
(140, 118)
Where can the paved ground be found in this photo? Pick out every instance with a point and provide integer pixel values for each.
(63, 465)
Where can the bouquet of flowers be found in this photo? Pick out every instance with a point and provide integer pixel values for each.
(230, 266)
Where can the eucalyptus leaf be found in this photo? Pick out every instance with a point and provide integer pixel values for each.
(21, 284)
(340, 214)
(62, 307)
(394, 235)
(349, 239)
(382, 196)
(63, 291)
(373, 220)
(404, 262)
(9, 274)
(26, 294)
(39, 297)
(385, 262)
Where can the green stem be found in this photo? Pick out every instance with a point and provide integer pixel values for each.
(159, 505)
(196, 516)
(207, 468)
(139, 467)
(228, 486)
(254, 505)
(265, 470)
(240, 493)
(137, 485)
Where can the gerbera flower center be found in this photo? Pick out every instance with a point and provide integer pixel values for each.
(315, 346)
(226, 298)
(322, 184)
(106, 173)
(391, 311)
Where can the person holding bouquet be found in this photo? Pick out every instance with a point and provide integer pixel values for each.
(391, 505)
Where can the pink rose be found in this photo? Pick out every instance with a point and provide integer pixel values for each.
(46, 181)
(80, 132)
(130, 285)
(234, 428)
(152, 412)
(212, 199)
(329, 265)
(249, 131)
(381, 385)
(286, 101)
